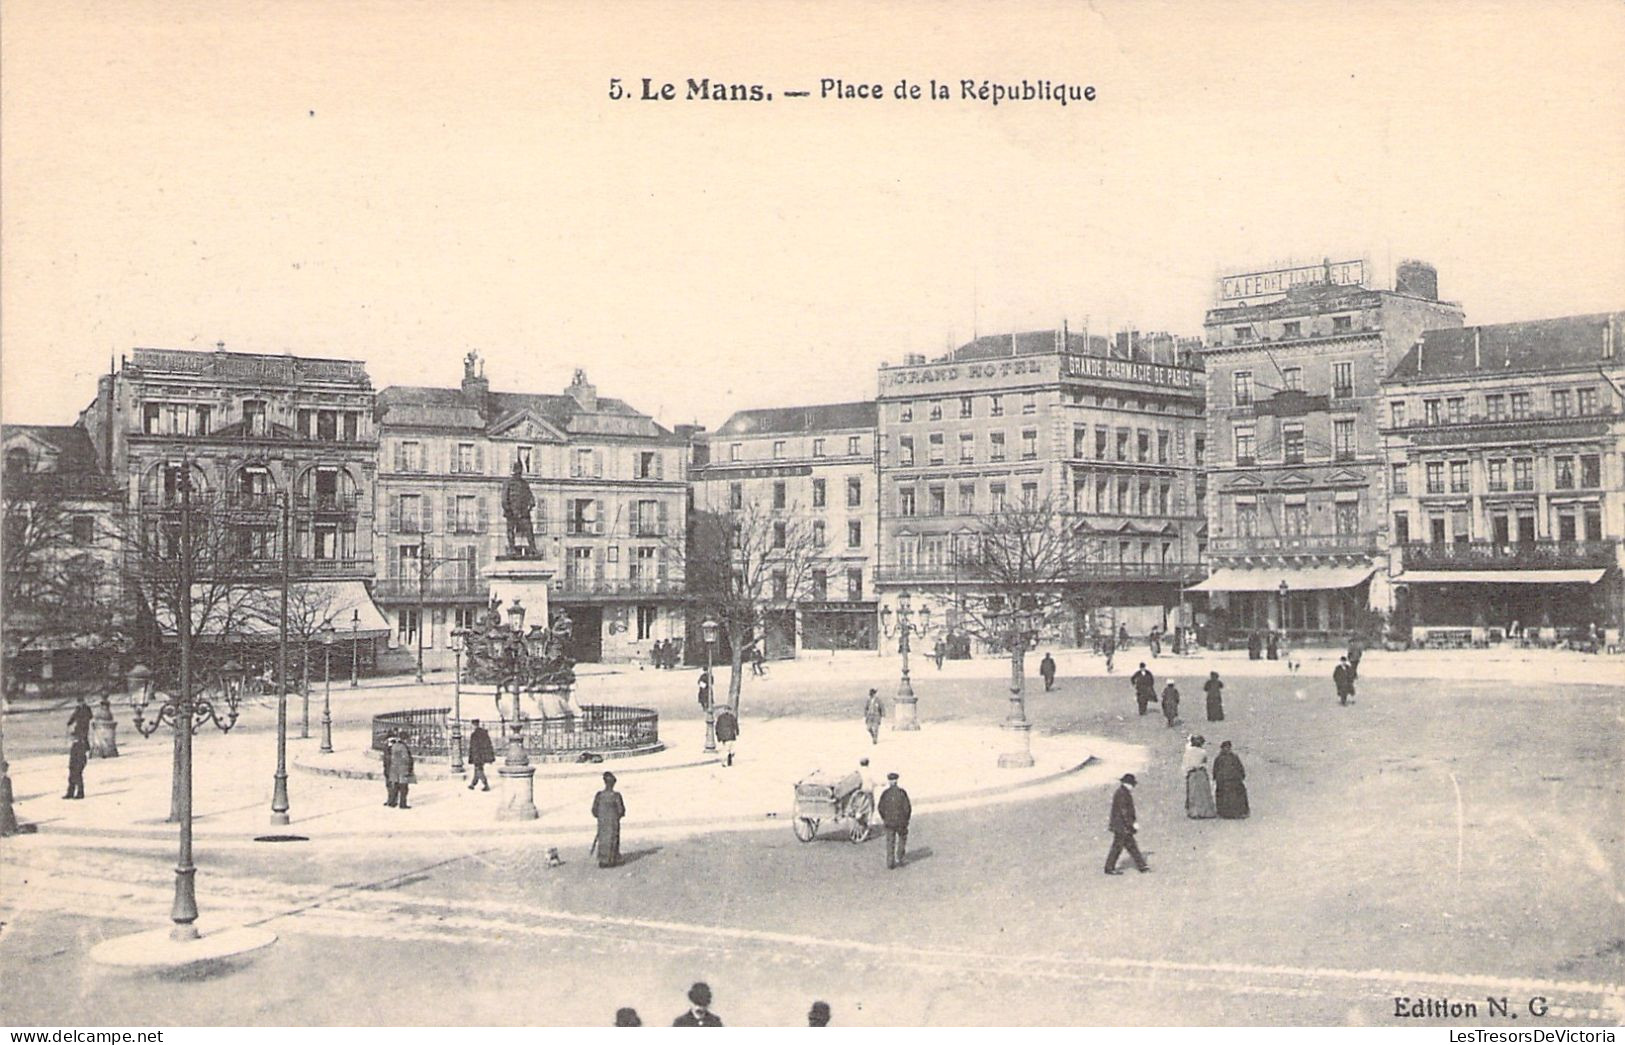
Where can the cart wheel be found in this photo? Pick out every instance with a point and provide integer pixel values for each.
(806, 828)
(860, 830)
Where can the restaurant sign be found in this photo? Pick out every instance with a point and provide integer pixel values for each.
(1249, 286)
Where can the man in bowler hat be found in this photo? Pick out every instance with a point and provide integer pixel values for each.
(699, 1013)
(895, 813)
(1122, 826)
(480, 755)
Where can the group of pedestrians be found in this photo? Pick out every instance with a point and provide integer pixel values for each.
(1225, 795)
(699, 1014)
(666, 654)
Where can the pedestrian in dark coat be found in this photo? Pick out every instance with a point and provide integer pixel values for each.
(79, 722)
(480, 755)
(627, 1018)
(1046, 668)
(873, 712)
(397, 771)
(1254, 646)
(1356, 651)
(1343, 679)
(1215, 697)
(657, 653)
(895, 813)
(938, 652)
(1228, 790)
(1108, 646)
(699, 1014)
(1170, 704)
(1154, 640)
(608, 808)
(1272, 646)
(1123, 824)
(1145, 687)
(78, 755)
(818, 1015)
(705, 690)
(727, 726)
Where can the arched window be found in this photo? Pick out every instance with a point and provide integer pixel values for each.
(18, 460)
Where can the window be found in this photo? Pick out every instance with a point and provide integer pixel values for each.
(1292, 378)
(1163, 491)
(1242, 333)
(854, 445)
(854, 534)
(1342, 380)
(1122, 444)
(1343, 438)
(1162, 447)
(1401, 480)
(854, 584)
(1292, 444)
(1029, 496)
(1347, 518)
(733, 451)
(648, 522)
(1402, 528)
(1342, 324)
(779, 496)
(1496, 472)
(818, 447)
(967, 498)
(778, 449)
(1566, 528)
(1461, 530)
(1520, 405)
(781, 585)
(1459, 482)
(1564, 472)
(905, 412)
(1435, 474)
(1561, 404)
(736, 495)
(1100, 442)
(1080, 440)
(1430, 411)
(1456, 409)
(254, 419)
(995, 446)
(583, 463)
(1436, 529)
(995, 406)
(1495, 407)
(1143, 445)
(1293, 329)
(583, 517)
(1396, 413)
(819, 497)
(644, 564)
(204, 414)
(525, 459)
(936, 450)
(780, 532)
(1029, 403)
(936, 410)
(1246, 519)
(1243, 383)
(465, 513)
(1523, 473)
(1590, 471)
(1200, 443)
(411, 518)
(1593, 522)
(905, 500)
(407, 622)
(1244, 444)
(967, 447)
(995, 493)
(464, 461)
(409, 456)
(325, 542)
(965, 409)
(937, 499)
(820, 585)
(1295, 519)
(905, 450)
(327, 425)
(854, 492)
(1586, 400)
(1029, 444)
(83, 529)
(463, 618)
(647, 615)
(1500, 528)
(819, 531)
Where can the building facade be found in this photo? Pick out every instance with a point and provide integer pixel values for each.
(1505, 453)
(1110, 431)
(816, 465)
(276, 444)
(610, 494)
(1297, 501)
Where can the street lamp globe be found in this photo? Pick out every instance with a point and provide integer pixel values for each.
(708, 631)
(326, 633)
(516, 617)
(140, 679)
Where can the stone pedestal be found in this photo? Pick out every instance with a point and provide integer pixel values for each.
(518, 793)
(1020, 755)
(521, 580)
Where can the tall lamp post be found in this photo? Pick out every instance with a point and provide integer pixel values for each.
(905, 715)
(279, 782)
(186, 710)
(355, 648)
(1283, 591)
(708, 631)
(326, 634)
(519, 801)
(458, 638)
(1019, 638)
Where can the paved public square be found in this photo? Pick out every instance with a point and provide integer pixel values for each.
(1454, 834)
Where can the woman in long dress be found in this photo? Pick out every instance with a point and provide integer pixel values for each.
(608, 808)
(1198, 791)
(1228, 777)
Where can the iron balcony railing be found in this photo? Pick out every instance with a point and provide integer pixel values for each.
(1315, 543)
(1088, 571)
(614, 587)
(405, 589)
(1515, 555)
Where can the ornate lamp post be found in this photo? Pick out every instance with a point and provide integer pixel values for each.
(708, 631)
(279, 781)
(520, 800)
(185, 711)
(1019, 637)
(326, 634)
(458, 638)
(905, 715)
(355, 648)
(1283, 591)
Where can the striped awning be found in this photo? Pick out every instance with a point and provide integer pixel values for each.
(1309, 578)
(1499, 577)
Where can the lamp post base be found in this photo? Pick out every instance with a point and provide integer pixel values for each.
(905, 714)
(1020, 756)
(519, 798)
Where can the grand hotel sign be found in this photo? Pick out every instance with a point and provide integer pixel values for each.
(943, 378)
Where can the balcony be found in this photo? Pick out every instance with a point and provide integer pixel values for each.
(1295, 544)
(613, 588)
(435, 589)
(326, 503)
(1120, 572)
(1520, 555)
(25, 486)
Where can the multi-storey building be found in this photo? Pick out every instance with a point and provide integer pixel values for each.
(267, 439)
(1110, 432)
(610, 494)
(814, 464)
(1506, 480)
(1297, 503)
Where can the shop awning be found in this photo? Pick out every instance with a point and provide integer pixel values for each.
(253, 614)
(1311, 578)
(1499, 577)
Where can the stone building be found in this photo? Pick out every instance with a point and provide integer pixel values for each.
(1110, 430)
(1505, 449)
(1297, 506)
(815, 464)
(266, 438)
(610, 493)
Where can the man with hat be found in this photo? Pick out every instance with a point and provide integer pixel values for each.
(608, 808)
(700, 1014)
(818, 1015)
(397, 770)
(480, 755)
(895, 812)
(1122, 826)
(1343, 679)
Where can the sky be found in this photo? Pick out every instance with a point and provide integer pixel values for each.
(404, 182)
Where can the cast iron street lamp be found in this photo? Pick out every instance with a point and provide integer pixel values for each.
(1283, 590)
(186, 710)
(519, 802)
(279, 782)
(1020, 635)
(458, 638)
(355, 648)
(904, 715)
(326, 635)
(708, 631)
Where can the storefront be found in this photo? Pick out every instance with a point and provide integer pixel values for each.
(1476, 607)
(1307, 603)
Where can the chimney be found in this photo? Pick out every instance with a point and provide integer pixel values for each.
(1608, 336)
(1421, 340)
(104, 421)
(583, 391)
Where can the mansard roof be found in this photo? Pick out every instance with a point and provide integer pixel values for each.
(71, 443)
(793, 420)
(1563, 343)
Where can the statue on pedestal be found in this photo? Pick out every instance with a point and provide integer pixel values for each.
(517, 504)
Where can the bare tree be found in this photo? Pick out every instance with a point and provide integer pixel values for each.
(741, 564)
